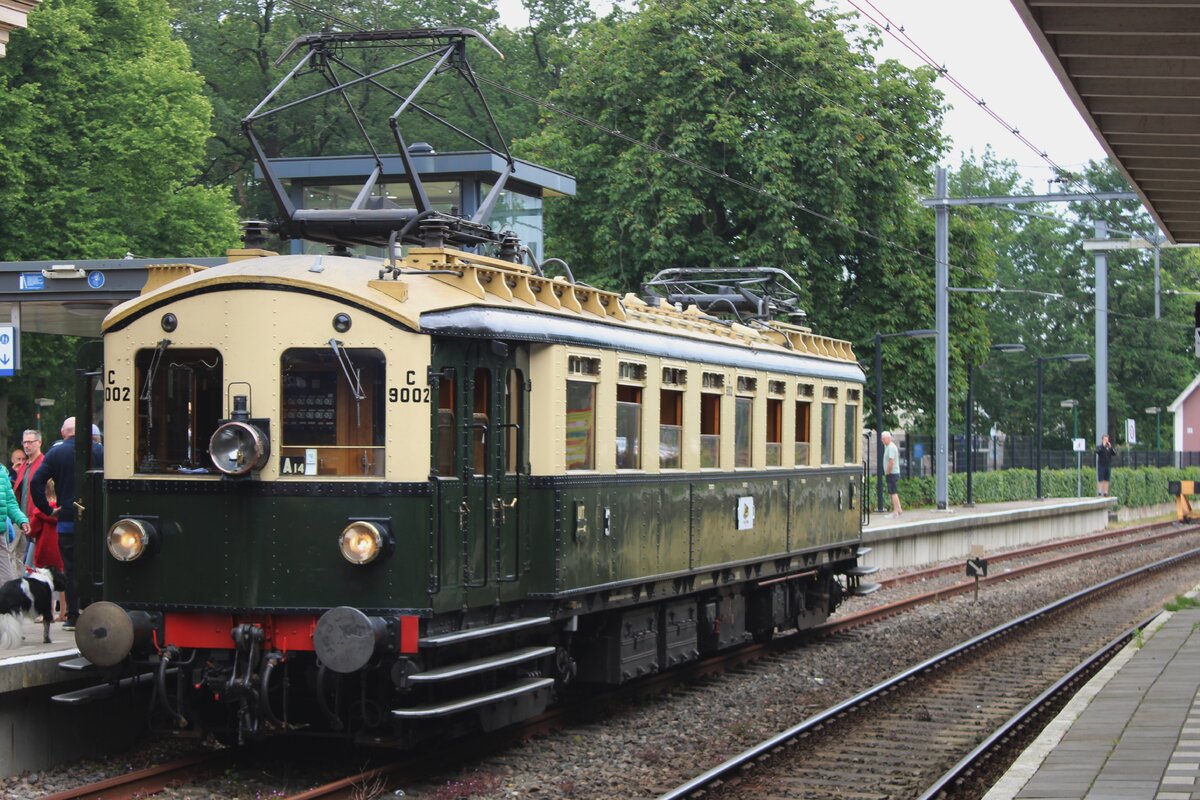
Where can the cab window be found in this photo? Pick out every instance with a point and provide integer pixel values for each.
(332, 412)
(179, 404)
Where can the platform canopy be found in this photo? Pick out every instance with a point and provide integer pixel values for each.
(1132, 68)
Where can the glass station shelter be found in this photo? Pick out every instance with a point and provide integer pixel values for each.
(456, 183)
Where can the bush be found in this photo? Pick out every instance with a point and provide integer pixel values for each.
(1145, 486)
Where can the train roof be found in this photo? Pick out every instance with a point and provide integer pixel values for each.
(441, 290)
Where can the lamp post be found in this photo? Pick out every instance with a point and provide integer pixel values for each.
(999, 348)
(1074, 405)
(40, 403)
(1157, 412)
(1073, 357)
(923, 333)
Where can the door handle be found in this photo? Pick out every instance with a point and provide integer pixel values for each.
(79, 509)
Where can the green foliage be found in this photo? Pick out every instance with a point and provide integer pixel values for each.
(102, 128)
(1181, 602)
(1146, 486)
(1150, 361)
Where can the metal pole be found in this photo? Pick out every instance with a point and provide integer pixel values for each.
(1101, 334)
(1078, 455)
(942, 320)
(1157, 277)
(1157, 429)
(879, 421)
(1039, 429)
(970, 421)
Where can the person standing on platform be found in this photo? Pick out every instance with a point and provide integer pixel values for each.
(891, 468)
(31, 447)
(1104, 459)
(59, 466)
(18, 459)
(13, 541)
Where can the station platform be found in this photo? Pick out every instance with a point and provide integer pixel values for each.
(927, 536)
(1132, 733)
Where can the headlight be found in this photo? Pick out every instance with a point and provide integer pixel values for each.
(128, 539)
(361, 542)
(237, 448)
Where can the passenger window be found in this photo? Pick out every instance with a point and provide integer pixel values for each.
(446, 432)
(629, 427)
(851, 423)
(670, 429)
(774, 432)
(179, 403)
(710, 431)
(743, 430)
(581, 425)
(828, 408)
(804, 425)
(670, 418)
(332, 412)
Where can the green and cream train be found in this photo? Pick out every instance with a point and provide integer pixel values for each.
(383, 501)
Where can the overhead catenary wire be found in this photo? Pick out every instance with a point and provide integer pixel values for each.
(901, 36)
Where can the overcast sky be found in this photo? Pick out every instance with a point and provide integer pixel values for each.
(986, 47)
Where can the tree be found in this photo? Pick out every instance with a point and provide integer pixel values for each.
(1047, 302)
(825, 150)
(102, 129)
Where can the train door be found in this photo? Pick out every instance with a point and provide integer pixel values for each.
(90, 517)
(479, 455)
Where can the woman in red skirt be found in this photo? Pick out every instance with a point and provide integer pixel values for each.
(43, 530)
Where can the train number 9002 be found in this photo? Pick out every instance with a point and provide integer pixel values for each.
(409, 394)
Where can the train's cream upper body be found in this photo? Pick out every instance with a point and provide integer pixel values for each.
(226, 308)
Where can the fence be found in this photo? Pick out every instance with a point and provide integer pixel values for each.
(1018, 452)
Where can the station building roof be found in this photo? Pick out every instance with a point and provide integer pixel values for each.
(1132, 69)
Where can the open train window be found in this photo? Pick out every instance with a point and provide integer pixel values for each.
(630, 389)
(803, 432)
(774, 431)
(710, 431)
(179, 403)
(332, 411)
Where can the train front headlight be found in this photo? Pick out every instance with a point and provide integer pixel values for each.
(238, 447)
(363, 542)
(129, 539)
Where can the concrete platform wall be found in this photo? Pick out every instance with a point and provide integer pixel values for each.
(918, 543)
(36, 733)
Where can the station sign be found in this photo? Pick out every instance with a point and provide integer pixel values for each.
(1079, 445)
(8, 351)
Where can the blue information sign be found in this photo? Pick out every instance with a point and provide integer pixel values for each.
(32, 281)
(96, 279)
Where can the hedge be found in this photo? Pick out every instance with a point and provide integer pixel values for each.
(1145, 486)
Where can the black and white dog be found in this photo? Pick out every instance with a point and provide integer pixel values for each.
(28, 597)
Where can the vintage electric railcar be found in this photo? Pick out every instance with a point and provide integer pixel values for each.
(427, 493)
(334, 499)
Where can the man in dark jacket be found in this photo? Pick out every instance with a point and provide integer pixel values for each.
(59, 465)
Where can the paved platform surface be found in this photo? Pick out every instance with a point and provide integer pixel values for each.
(982, 511)
(1133, 733)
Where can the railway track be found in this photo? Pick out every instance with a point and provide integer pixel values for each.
(397, 771)
(898, 738)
